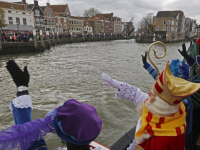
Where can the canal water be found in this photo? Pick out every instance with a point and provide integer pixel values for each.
(74, 71)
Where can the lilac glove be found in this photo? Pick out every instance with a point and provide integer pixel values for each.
(110, 81)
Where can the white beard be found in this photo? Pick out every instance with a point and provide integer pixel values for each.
(158, 108)
(161, 108)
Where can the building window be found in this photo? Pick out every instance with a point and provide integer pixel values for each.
(74, 22)
(168, 28)
(45, 22)
(24, 21)
(10, 20)
(176, 29)
(157, 28)
(49, 14)
(168, 22)
(172, 22)
(164, 21)
(164, 28)
(9, 11)
(64, 19)
(70, 22)
(172, 28)
(17, 21)
(52, 22)
(177, 23)
(37, 12)
(65, 26)
(37, 21)
(58, 19)
(24, 13)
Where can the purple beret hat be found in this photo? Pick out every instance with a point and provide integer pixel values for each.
(77, 123)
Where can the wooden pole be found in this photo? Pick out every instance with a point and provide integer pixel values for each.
(34, 39)
(41, 39)
(0, 42)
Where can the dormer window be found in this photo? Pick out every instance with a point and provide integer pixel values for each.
(37, 12)
(49, 14)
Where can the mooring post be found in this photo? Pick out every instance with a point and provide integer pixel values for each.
(53, 38)
(83, 37)
(92, 36)
(58, 37)
(41, 39)
(71, 36)
(0, 43)
(34, 39)
(48, 40)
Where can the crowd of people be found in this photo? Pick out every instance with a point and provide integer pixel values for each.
(168, 113)
(27, 36)
(14, 36)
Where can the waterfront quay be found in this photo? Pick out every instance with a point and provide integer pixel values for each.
(42, 44)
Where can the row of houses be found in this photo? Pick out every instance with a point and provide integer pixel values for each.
(56, 18)
(174, 25)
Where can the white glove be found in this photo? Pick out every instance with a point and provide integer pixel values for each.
(110, 81)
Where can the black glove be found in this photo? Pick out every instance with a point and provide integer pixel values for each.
(144, 58)
(183, 52)
(20, 78)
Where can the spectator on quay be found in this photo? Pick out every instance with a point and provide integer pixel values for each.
(15, 38)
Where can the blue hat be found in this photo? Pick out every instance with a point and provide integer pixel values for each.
(179, 69)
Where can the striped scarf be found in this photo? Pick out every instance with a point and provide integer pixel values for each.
(163, 126)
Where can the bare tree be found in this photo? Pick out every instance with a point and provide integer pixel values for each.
(91, 12)
(146, 23)
(2, 23)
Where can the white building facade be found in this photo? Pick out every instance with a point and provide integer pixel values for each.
(20, 17)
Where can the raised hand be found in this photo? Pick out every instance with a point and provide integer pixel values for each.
(20, 78)
(144, 58)
(184, 52)
(110, 81)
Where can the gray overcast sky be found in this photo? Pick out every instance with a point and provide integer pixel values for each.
(126, 9)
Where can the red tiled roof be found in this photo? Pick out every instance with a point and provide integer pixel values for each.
(9, 5)
(100, 17)
(85, 22)
(58, 8)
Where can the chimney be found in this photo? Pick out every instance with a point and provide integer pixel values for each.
(23, 1)
(36, 2)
